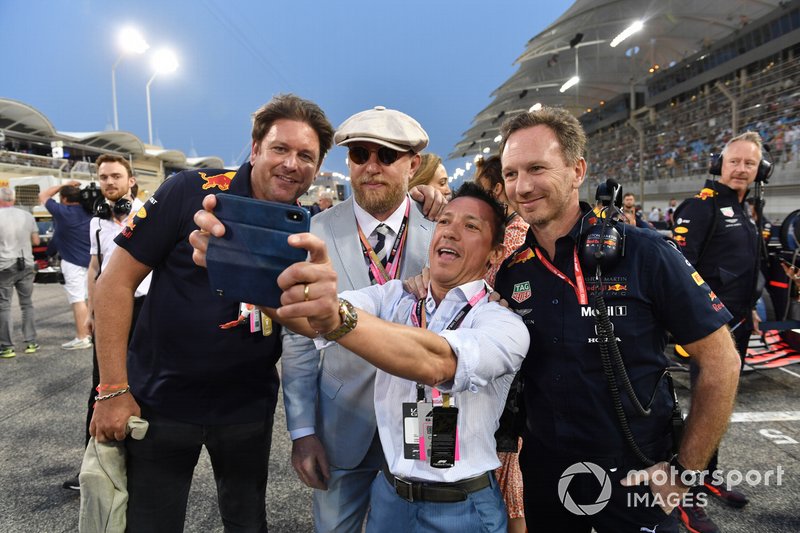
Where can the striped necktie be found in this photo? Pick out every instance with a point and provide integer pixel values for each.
(380, 246)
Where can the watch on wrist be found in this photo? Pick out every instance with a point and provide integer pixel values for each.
(686, 477)
(349, 321)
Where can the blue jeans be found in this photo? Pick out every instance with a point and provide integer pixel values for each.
(161, 466)
(483, 511)
(22, 281)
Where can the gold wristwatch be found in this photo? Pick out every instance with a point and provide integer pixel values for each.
(349, 321)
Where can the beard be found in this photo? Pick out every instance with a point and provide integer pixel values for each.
(379, 202)
(115, 195)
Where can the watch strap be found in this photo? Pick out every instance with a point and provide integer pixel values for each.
(349, 320)
(687, 477)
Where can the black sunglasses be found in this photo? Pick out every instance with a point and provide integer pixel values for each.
(360, 155)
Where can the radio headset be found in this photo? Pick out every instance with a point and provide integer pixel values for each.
(765, 167)
(603, 243)
(120, 208)
(92, 200)
(602, 246)
(104, 210)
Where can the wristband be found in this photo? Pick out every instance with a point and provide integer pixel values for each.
(104, 387)
(100, 398)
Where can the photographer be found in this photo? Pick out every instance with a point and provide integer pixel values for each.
(71, 230)
(718, 237)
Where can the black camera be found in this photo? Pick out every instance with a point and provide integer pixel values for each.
(91, 198)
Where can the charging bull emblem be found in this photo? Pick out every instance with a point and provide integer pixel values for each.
(522, 256)
(706, 193)
(221, 181)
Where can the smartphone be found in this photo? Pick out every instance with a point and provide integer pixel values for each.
(244, 264)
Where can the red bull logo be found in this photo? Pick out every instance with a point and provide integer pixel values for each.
(522, 256)
(220, 181)
(610, 242)
(712, 296)
(617, 287)
(706, 193)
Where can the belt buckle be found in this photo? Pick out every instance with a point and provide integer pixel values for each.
(404, 489)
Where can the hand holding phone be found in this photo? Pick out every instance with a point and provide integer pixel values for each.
(244, 264)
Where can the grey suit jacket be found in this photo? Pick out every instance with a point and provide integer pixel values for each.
(332, 390)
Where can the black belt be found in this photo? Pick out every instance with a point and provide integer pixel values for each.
(457, 491)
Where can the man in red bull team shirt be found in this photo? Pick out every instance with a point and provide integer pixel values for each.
(573, 425)
(717, 236)
(195, 383)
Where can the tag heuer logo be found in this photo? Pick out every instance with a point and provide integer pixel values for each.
(522, 291)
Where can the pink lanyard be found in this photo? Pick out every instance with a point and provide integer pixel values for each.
(419, 319)
(580, 287)
(379, 273)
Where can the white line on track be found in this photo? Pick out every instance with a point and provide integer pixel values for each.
(766, 416)
(790, 372)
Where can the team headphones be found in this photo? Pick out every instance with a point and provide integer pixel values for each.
(765, 167)
(602, 235)
(121, 207)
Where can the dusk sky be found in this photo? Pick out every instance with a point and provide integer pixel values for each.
(437, 60)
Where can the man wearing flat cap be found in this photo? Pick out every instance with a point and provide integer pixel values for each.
(375, 236)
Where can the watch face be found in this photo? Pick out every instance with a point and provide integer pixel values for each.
(347, 311)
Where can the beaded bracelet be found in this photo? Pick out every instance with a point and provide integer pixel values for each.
(112, 395)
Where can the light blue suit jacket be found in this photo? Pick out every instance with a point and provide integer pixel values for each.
(332, 390)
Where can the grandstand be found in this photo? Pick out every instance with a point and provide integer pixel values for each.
(657, 106)
(31, 146)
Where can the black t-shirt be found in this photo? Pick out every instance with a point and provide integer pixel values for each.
(180, 362)
(652, 290)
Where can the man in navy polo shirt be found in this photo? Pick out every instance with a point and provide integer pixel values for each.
(196, 383)
(574, 453)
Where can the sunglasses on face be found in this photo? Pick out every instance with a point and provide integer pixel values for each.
(387, 156)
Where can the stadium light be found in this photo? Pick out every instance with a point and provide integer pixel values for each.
(164, 62)
(498, 138)
(627, 32)
(131, 42)
(569, 83)
(536, 107)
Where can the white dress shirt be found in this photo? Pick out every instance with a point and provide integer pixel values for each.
(490, 345)
(368, 223)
